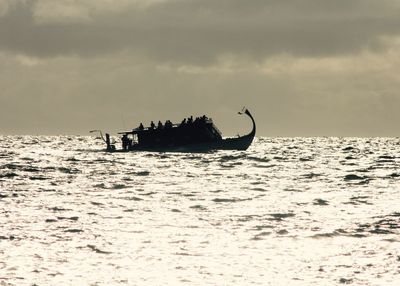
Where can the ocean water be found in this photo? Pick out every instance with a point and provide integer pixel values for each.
(288, 211)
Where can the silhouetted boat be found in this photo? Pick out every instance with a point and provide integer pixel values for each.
(199, 135)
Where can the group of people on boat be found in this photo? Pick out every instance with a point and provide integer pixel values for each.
(168, 124)
(168, 133)
(189, 121)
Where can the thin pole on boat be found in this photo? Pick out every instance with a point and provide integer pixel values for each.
(123, 122)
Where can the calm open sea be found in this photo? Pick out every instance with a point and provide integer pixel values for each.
(289, 211)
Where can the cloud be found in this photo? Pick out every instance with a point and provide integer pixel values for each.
(290, 96)
(305, 67)
(27, 61)
(7, 5)
(61, 11)
(81, 11)
(3, 7)
(199, 32)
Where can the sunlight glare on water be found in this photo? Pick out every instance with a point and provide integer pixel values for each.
(288, 211)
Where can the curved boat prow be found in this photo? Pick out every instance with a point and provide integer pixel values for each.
(247, 112)
(242, 142)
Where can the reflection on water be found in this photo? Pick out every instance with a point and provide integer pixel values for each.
(289, 211)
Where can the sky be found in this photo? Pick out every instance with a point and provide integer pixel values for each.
(302, 67)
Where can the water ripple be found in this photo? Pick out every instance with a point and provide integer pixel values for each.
(289, 211)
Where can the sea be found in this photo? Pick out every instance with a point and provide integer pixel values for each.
(288, 211)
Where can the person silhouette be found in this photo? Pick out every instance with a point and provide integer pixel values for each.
(125, 142)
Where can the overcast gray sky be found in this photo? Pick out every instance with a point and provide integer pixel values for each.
(303, 67)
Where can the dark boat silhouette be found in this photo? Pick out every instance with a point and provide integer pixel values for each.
(199, 135)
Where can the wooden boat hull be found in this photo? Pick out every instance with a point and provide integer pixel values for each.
(239, 143)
